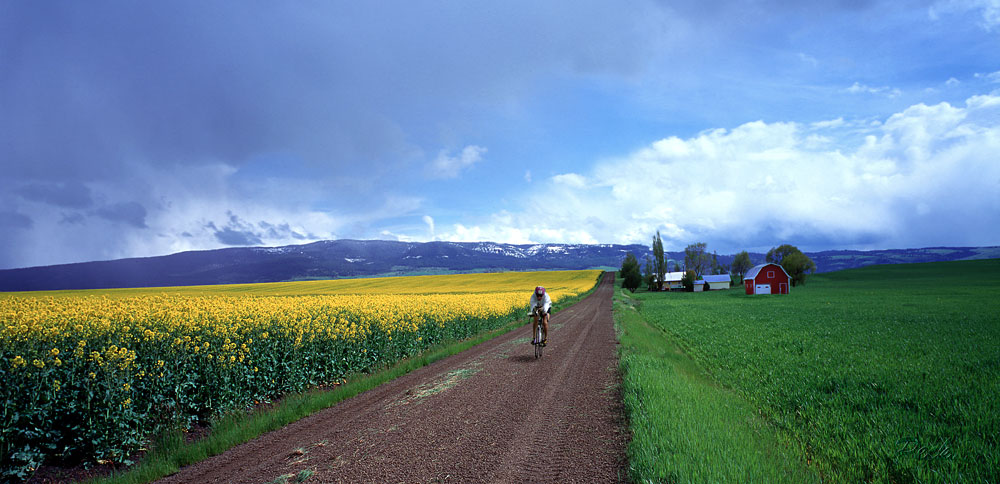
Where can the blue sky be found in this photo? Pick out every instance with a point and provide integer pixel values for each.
(136, 129)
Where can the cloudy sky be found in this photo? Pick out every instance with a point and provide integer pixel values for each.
(146, 128)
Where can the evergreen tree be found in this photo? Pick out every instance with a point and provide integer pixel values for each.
(659, 261)
(631, 278)
(650, 277)
(688, 280)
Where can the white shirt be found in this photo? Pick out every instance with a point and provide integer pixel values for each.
(545, 302)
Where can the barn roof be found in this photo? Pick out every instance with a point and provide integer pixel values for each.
(752, 273)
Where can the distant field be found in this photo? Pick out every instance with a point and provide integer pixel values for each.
(89, 375)
(429, 284)
(879, 374)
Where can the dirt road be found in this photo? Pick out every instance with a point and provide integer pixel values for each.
(491, 414)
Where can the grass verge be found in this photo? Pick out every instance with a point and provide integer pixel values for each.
(684, 426)
(170, 452)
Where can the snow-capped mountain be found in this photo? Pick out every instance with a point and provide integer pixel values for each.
(319, 260)
(358, 258)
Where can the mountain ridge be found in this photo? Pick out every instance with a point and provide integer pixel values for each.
(344, 258)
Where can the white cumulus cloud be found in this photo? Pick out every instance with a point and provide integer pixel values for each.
(571, 180)
(925, 176)
(989, 10)
(992, 76)
(448, 166)
(858, 88)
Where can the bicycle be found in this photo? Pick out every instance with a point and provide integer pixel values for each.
(537, 342)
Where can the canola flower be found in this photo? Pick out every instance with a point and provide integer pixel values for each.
(125, 361)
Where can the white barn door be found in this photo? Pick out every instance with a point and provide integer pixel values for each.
(762, 289)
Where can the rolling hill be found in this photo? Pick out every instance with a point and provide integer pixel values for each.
(366, 258)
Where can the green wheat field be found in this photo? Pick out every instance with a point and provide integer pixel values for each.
(887, 374)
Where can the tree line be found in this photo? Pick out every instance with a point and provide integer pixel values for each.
(698, 262)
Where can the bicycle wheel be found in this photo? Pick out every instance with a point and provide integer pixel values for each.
(538, 342)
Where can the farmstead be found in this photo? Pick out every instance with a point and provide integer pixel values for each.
(884, 374)
(766, 279)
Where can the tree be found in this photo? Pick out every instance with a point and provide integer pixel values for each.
(796, 264)
(659, 262)
(696, 259)
(718, 268)
(777, 253)
(677, 267)
(650, 277)
(631, 278)
(688, 280)
(741, 264)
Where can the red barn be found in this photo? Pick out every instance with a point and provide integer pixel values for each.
(767, 279)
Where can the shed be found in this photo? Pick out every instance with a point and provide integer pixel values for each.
(717, 282)
(766, 279)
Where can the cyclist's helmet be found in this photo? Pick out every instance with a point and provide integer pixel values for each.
(539, 291)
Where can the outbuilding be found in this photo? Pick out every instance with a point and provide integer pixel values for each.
(671, 281)
(717, 282)
(766, 279)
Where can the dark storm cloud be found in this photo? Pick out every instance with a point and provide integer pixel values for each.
(236, 232)
(89, 88)
(801, 234)
(14, 220)
(130, 213)
(113, 94)
(67, 195)
(281, 231)
(229, 236)
(72, 219)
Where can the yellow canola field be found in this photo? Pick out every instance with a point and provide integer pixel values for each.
(556, 282)
(120, 362)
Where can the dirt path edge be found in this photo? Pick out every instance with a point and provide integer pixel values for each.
(492, 413)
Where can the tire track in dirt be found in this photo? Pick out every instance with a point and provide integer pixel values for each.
(490, 414)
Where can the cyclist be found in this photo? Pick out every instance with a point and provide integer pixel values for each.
(540, 299)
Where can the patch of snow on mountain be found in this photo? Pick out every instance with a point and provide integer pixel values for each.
(348, 259)
(534, 249)
(488, 248)
(274, 250)
(516, 253)
(493, 248)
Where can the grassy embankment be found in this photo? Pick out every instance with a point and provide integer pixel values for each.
(879, 374)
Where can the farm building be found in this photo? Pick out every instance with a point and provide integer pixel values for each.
(766, 279)
(716, 283)
(672, 281)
